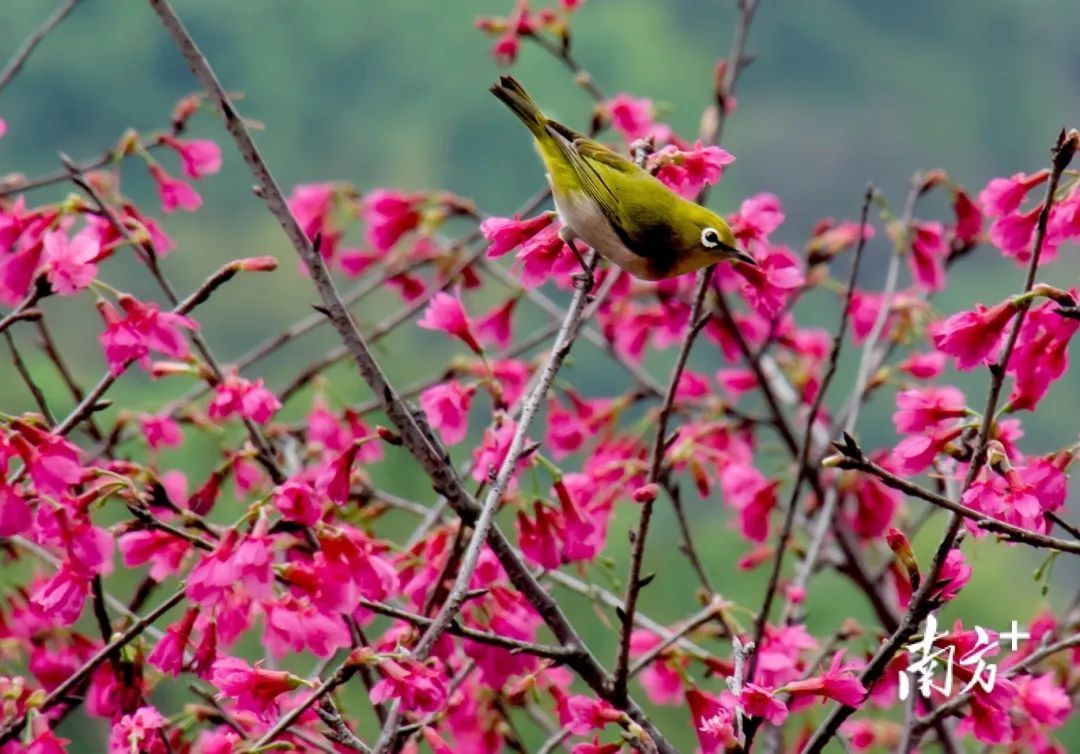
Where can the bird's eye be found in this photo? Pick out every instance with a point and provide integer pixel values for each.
(710, 239)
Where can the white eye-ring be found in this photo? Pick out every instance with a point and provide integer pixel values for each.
(710, 239)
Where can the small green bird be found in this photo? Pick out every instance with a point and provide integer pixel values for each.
(618, 208)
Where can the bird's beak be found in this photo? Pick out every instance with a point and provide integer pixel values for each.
(739, 255)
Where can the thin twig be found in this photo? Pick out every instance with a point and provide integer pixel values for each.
(634, 582)
(807, 442)
(28, 380)
(26, 50)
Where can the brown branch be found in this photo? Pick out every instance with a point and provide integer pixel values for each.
(484, 637)
(27, 48)
(48, 345)
(28, 380)
(1009, 531)
(25, 310)
(340, 676)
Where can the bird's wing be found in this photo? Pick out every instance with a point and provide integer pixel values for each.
(613, 181)
(643, 233)
(590, 179)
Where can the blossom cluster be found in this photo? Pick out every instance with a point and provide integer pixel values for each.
(287, 541)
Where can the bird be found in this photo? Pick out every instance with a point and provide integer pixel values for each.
(618, 208)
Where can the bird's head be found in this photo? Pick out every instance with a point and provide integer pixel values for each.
(707, 238)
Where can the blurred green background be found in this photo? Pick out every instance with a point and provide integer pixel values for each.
(395, 94)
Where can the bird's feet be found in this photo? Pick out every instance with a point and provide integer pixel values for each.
(584, 280)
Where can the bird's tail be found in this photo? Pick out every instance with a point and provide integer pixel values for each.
(514, 96)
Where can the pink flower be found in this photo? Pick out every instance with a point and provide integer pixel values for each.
(837, 683)
(1043, 699)
(687, 172)
(293, 625)
(64, 595)
(915, 453)
(955, 574)
(144, 328)
(757, 217)
(44, 740)
(1041, 354)
(238, 396)
(52, 461)
(251, 688)
(928, 250)
(969, 219)
(168, 655)
(496, 325)
(298, 502)
(173, 192)
(1012, 233)
(713, 719)
(923, 366)
(582, 537)
(420, 688)
(829, 238)
(141, 731)
(15, 513)
(312, 204)
(242, 564)
(447, 407)
(162, 550)
(199, 157)
(3, 127)
(661, 679)
(768, 286)
(69, 264)
(544, 257)
(160, 431)
(538, 537)
(505, 234)
(389, 216)
(445, 313)
(748, 491)
(633, 118)
(586, 714)
(493, 449)
(350, 563)
(17, 271)
(757, 701)
(971, 337)
(875, 505)
(506, 49)
(917, 410)
(1002, 196)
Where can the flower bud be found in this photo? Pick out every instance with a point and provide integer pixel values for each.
(646, 493)
(256, 264)
(905, 555)
(128, 144)
(388, 435)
